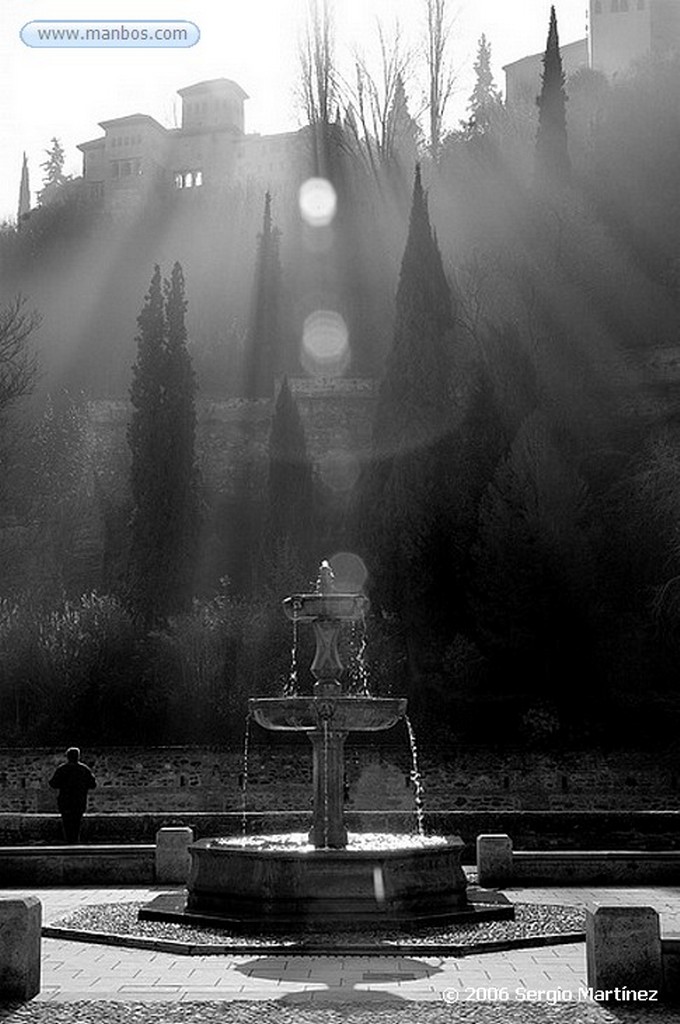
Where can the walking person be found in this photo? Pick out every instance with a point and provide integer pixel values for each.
(73, 779)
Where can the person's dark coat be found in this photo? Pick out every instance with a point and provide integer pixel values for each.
(73, 780)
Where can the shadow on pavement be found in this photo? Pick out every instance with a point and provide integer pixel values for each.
(364, 971)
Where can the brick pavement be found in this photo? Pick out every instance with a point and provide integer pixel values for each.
(74, 971)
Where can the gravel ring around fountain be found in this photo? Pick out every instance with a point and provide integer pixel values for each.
(390, 1011)
(116, 924)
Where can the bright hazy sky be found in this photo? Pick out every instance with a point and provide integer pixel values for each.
(66, 92)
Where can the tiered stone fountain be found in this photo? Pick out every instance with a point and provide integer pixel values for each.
(330, 878)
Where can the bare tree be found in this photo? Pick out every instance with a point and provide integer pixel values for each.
(318, 88)
(377, 117)
(18, 363)
(318, 75)
(440, 72)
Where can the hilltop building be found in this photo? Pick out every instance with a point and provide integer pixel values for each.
(137, 155)
(620, 32)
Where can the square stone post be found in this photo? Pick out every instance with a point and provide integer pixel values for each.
(20, 923)
(173, 860)
(494, 860)
(623, 949)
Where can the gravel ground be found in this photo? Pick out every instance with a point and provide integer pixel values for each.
(532, 922)
(377, 1013)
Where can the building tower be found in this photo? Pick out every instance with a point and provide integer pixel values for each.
(625, 31)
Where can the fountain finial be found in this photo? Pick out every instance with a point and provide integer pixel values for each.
(325, 583)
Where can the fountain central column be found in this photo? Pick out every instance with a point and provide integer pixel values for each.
(328, 743)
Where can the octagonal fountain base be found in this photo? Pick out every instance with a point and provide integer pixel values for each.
(271, 883)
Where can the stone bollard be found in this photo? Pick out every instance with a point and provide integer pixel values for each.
(20, 923)
(623, 950)
(173, 861)
(494, 860)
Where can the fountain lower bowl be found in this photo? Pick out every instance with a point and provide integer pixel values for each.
(347, 714)
(270, 883)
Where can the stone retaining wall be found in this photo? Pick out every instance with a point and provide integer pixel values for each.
(207, 778)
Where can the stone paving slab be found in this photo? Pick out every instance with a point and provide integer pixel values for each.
(80, 975)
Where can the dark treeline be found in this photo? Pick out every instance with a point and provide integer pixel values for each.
(518, 514)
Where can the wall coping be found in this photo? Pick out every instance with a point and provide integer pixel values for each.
(79, 850)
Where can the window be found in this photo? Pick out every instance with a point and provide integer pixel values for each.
(624, 5)
(615, 6)
(115, 169)
(597, 7)
(641, 5)
(188, 179)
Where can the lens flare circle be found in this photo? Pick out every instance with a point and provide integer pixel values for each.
(325, 343)
(318, 202)
(350, 572)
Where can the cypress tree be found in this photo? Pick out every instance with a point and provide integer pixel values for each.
(163, 472)
(403, 134)
(264, 334)
(414, 402)
(184, 516)
(290, 490)
(552, 164)
(406, 498)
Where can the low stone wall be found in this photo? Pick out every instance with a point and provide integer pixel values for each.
(530, 830)
(378, 775)
(77, 865)
(500, 865)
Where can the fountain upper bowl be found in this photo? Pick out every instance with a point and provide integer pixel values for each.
(348, 714)
(342, 607)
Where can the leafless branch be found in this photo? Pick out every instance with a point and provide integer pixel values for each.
(440, 72)
(18, 363)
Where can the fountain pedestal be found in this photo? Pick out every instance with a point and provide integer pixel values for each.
(328, 783)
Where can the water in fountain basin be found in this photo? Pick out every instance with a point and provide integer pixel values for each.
(369, 842)
(244, 776)
(416, 777)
